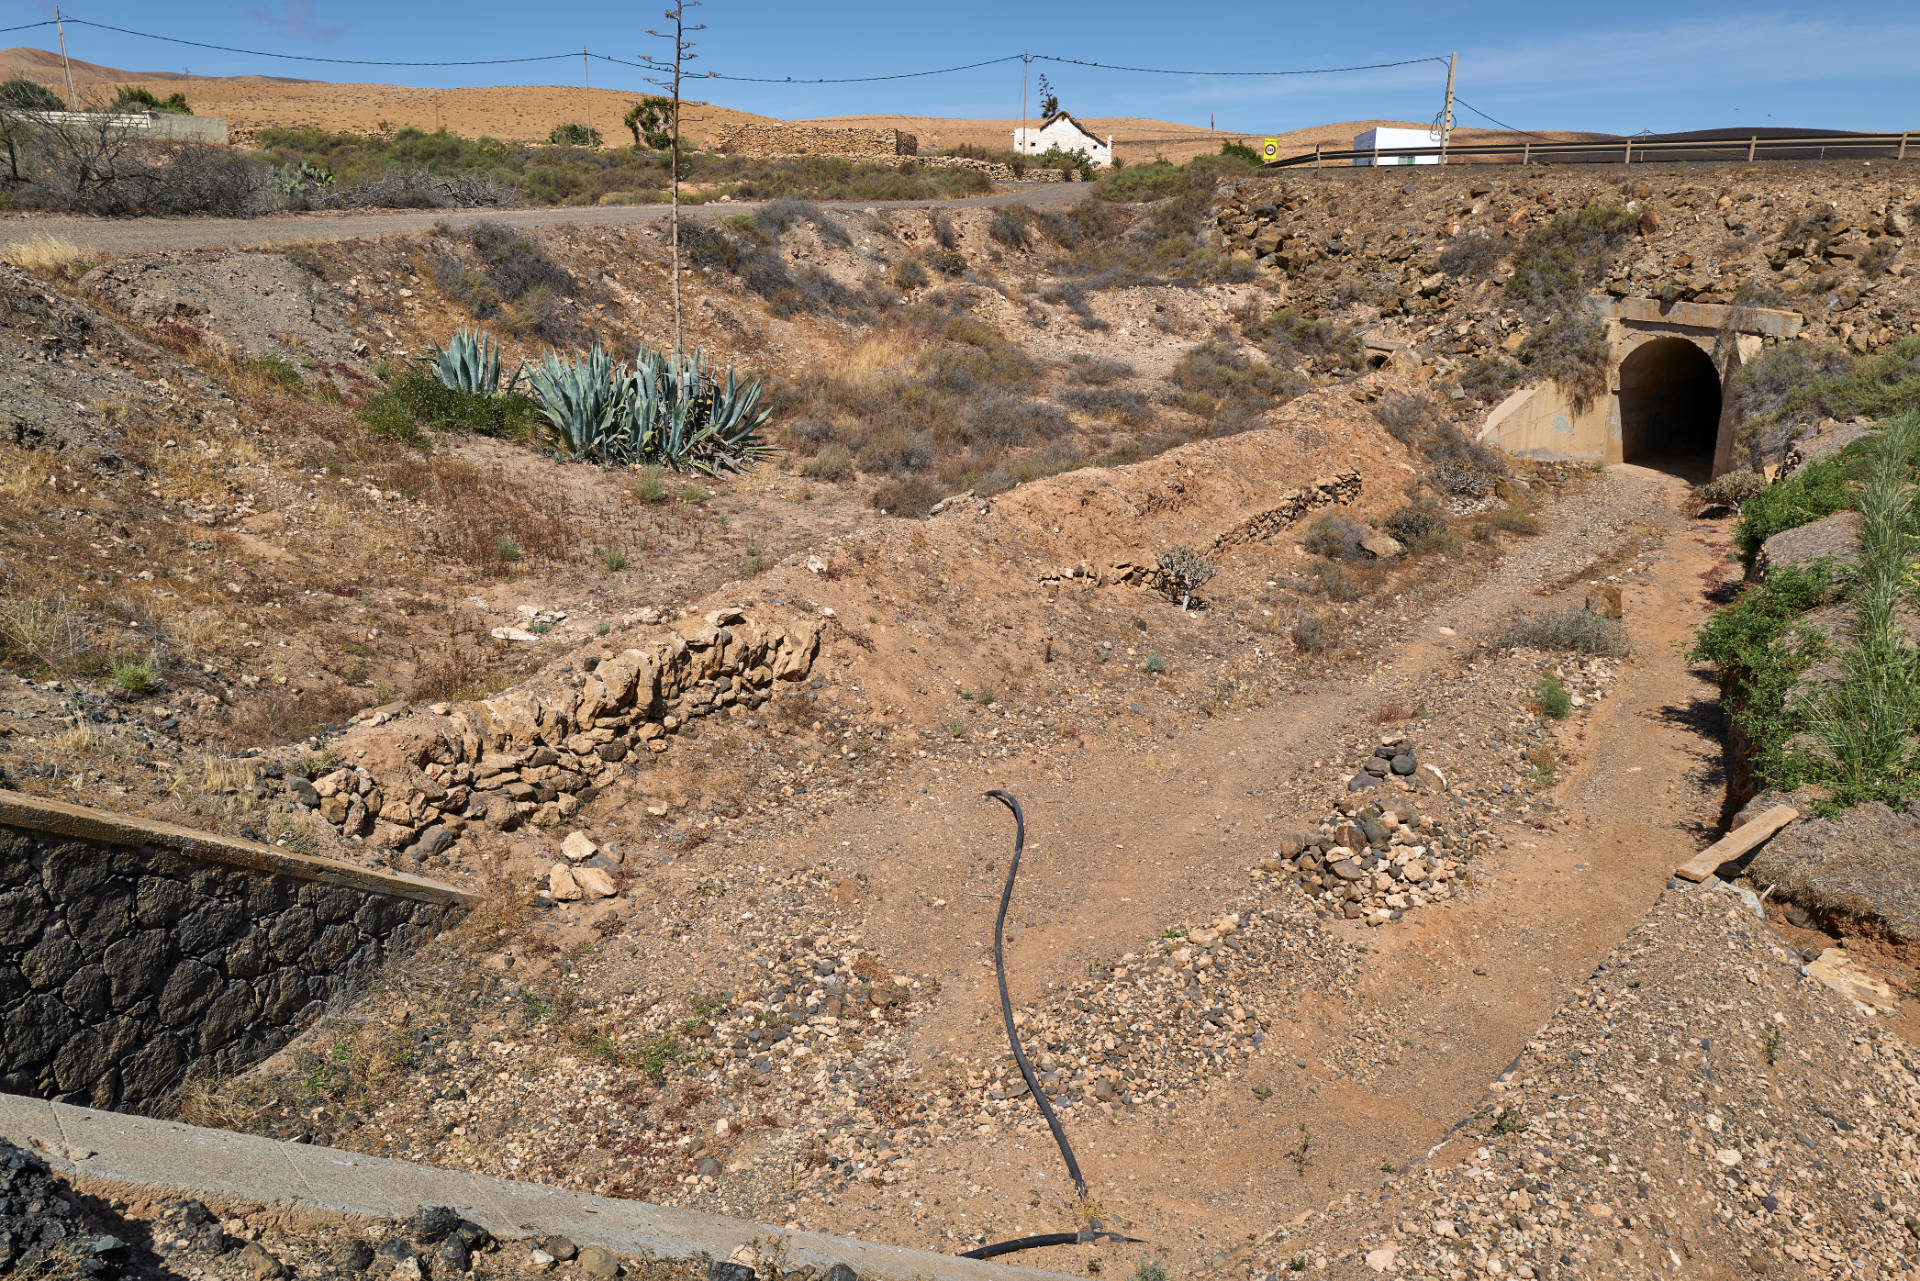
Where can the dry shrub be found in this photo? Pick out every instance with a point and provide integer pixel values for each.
(42, 632)
(1315, 634)
(1335, 537)
(1567, 631)
(1571, 349)
(907, 496)
(1393, 711)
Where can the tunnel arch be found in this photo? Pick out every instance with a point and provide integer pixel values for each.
(1669, 403)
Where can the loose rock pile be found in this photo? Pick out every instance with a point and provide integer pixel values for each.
(538, 752)
(1375, 860)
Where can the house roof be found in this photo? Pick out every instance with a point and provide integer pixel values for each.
(1067, 116)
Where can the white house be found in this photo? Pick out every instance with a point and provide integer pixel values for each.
(1377, 140)
(1062, 132)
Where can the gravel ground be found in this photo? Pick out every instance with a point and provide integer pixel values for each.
(1701, 1108)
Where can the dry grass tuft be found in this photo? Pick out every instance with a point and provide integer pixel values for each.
(50, 256)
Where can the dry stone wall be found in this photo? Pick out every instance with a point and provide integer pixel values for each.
(535, 754)
(811, 140)
(131, 951)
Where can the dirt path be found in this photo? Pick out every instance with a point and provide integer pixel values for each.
(146, 235)
(1122, 844)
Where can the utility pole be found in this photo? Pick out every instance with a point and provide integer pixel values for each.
(586, 82)
(1446, 116)
(59, 25)
(1025, 62)
(682, 53)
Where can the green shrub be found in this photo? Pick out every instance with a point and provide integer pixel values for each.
(1184, 572)
(1791, 386)
(651, 487)
(418, 400)
(133, 676)
(22, 94)
(1154, 664)
(507, 550)
(1552, 697)
(1568, 631)
(133, 98)
(273, 370)
(1820, 488)
(1556, 262)
(1291, 333)
(574, 135)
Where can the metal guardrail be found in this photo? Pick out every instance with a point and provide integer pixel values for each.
(1846, 146)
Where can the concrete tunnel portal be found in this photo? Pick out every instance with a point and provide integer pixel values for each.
(1669, 403)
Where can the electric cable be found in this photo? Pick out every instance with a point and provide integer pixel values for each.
(1458, 100)
(1171, 71)
(1093, 1232)
(309, 57)
(27, 26)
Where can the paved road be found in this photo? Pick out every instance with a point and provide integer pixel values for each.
(142, 235)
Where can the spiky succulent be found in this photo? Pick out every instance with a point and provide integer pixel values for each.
(469, 363)
(666, 410)
(581, 397)
(675, 412)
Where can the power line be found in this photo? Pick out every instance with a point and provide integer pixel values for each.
(827, 80)
(1510, 128)
(1302, 71)
(308, 57)
(27, 26)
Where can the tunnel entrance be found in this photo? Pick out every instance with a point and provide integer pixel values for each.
(1669, 405)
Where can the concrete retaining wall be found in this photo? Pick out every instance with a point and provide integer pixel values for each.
(184, 1160)
(131, 951)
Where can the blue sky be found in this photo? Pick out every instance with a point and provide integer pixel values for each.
(1619, 67)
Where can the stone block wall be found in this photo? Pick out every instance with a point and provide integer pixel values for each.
(535, 754)
(810, 140)
(132, 951)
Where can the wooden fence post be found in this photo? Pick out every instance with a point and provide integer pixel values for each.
(1526, 150)
(1752, 143)
(1903, 146)
(1629, 159)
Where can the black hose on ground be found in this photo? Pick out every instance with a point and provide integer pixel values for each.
(1093, 1232)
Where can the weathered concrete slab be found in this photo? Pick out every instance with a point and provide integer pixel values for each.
(1701, 315)
(190, 1160)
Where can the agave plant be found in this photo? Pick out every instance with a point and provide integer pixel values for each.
(676, 412)
(582, 396)
(470, 363)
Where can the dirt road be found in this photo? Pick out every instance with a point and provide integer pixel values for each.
(146, 235)
(1123, 844)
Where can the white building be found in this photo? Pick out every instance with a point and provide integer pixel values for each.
(1062, 132)
(1377, 140)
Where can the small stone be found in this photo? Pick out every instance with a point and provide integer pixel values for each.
(1346, 870)
(257, 1263)
(578, 847)
(841, 1272)
(1362, 782)
(540, 1260)
(302, 792)
(560, 1248)
(598, 1264)
(594, 882)
(1404, 765)
(562, 885)
(455, 1254)
(725, 1270)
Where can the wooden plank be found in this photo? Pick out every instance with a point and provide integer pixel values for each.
(1735, 843)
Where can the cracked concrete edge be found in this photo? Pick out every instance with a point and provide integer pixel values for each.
(112, 1147)
(58, 818)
